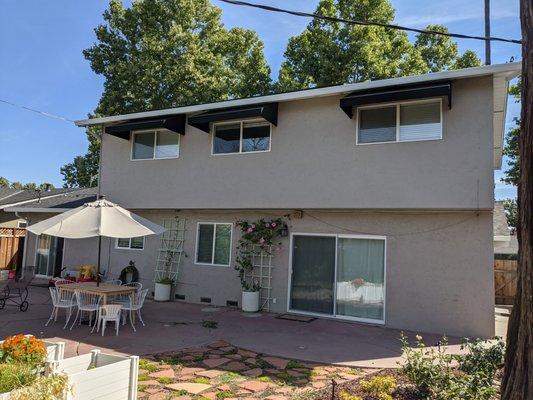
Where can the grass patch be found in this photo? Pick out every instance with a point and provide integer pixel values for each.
(210, 324)
(229, 377)
(147, 365)
(202, 379)
(294, 364)
(143, 377)
(224, 395)
(141, 388)
(165, 380)
(285, 378)
(265, 379)
(262, 364)
(174, 360)
(180, 392)
(198, 358)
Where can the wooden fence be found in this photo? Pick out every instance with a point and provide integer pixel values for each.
(505, 280)
(11, 246)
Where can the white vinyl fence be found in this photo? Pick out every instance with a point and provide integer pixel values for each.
(100, 376)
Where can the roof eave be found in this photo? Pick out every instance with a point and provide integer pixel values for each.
(510, 68)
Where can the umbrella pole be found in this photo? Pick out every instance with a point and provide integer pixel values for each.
(98, 268)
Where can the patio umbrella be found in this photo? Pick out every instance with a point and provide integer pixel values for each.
(98, 218)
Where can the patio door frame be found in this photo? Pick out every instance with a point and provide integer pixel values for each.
(338, 236)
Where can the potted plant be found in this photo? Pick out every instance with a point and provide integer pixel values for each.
(162, 289)
(250, 290)
(256, 238)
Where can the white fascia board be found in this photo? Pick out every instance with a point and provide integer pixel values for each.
(510, 68)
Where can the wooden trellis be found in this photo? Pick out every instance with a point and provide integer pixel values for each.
(261, 258)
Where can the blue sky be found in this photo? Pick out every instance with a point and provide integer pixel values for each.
(42, 66)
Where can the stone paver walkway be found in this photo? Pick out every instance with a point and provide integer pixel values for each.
(222, 371)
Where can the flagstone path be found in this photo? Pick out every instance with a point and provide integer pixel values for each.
(222, 371)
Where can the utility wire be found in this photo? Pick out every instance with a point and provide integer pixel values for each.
(43, 113)
(367, 23)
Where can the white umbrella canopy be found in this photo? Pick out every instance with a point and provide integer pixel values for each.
(99, 218)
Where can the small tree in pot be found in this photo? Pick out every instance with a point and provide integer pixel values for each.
(256, 238)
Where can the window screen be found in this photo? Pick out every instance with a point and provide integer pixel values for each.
(255, 137)
(420, 121)
(143, 145)
(377, 125)
(167, 144)
(227, 139)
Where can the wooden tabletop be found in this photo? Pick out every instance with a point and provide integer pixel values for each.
(104, 288)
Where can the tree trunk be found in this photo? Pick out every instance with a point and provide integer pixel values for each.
(517, 383)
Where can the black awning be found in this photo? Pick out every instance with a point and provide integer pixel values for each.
(396, 93)
(174, 123)
(269, 112)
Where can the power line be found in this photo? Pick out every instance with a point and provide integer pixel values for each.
(367, 23)
(43, 113)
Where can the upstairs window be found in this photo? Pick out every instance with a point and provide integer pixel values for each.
(136, 243)
(401, 122)
(241, 137)
(158, 144)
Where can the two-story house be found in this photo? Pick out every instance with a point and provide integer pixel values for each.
(386, 187)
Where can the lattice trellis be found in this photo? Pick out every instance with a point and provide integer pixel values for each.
(261, 273)
(170, 250)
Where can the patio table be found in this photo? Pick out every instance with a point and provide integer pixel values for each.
(104, 289)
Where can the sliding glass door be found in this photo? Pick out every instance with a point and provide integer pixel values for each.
(313, 274)
(338, 275)
(46, 255)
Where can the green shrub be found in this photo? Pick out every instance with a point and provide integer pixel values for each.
(164, 380)
(202, 379)
(16, 375)
(433, 374)
(53, 387)
(379, 387)
(147, 365)
(345, 395)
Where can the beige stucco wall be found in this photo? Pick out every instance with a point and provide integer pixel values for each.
(314, 163)
(9, 220)
(438, 275)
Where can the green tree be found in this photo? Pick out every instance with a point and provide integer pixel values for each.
(511, 212)
(167, 53)
(329, 53)
(512, 173)
(4, 183)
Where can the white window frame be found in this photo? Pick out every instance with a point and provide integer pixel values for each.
(398, 105)
(338, 236)
(212, 264)
(129, 245)
(155, 132)
(241, 122)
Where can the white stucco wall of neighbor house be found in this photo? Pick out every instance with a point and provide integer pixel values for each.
(438, 265)
(314, 163)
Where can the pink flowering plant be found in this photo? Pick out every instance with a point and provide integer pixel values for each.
(262, 233)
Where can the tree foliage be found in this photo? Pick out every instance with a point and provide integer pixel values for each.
(166, 53)
(330, 53)
(512, 174)
(5, 183)
(511, 212)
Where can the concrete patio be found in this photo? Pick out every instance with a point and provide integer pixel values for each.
(175, 326)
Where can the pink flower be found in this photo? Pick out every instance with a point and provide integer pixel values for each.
(253, 226)
(267, 225)
(273, 224)
(249, 230)
(262, 240)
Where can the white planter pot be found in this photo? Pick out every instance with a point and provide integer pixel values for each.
(162, 292)
(250, 301)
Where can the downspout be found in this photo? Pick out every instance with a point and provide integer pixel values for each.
(25, 243)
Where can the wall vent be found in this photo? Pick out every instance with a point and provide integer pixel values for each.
(205, 299)
(232, 303)
(179, 296)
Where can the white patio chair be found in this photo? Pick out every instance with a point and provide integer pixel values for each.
(135, 304)
(124, 299)
(109, 313)
(87, 302)
(113, 282)
(61, 299)
(63, 282)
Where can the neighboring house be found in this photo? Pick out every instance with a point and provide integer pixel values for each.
(44, 252)
(386, 182)
(13, 226)
(505, 241)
